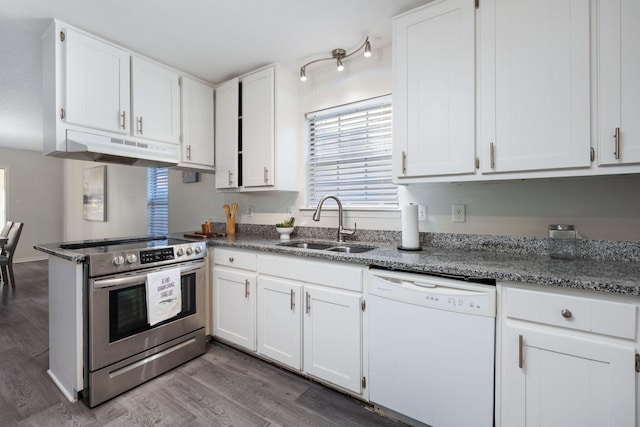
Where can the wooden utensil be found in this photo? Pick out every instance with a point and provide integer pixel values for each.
(226, 210)
(233, 209)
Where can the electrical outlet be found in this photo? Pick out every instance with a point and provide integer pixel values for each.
(458, 213)
(290, 210)
(422, 212)
(249, 210)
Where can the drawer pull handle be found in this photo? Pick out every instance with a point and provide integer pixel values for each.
(520, 351)
(231, 259)
(246, 288)
(566, 313)
(293, 300)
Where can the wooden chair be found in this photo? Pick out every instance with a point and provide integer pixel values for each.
(5, 229)
(6, 256)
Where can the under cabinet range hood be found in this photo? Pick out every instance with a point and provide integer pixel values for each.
(126, 151)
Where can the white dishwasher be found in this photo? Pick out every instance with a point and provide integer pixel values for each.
(432, 348)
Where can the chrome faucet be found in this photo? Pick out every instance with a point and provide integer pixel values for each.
(341, 231)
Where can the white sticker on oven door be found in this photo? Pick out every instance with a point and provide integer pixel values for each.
(164, 296)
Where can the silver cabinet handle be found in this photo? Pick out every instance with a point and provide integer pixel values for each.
(188, 152)
(492, 151)
(308, 303)
(229, 174)
(404, 163)
(520, 351)
(566, 313)
(139, 120)
(246, 288)
(266, 175)
(616, 137)
(293, 299)
(123, 117)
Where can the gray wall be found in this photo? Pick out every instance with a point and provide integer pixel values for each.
(35, 196)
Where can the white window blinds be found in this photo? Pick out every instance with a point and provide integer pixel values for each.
(349, 154)
(158, 201)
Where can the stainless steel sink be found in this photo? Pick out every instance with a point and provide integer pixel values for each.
(306, 245)
(347, 249)
(331, 247)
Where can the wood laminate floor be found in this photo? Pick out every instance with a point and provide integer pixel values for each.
(224, 387)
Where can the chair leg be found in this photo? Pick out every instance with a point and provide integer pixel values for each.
(12, 278)
(5, 277)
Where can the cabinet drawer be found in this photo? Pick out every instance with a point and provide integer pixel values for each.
(329, 273)
(235, 258)
(585, 314)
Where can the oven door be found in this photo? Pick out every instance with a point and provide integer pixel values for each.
(118, 325)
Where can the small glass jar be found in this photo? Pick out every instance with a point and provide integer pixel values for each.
(563, 241)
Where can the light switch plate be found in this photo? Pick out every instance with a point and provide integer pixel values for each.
(422, 212)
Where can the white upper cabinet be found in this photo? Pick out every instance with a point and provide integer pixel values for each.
(534, 85)
(227, 102)
(96, 83)
(257, 131)
(155, 101)
(434, 90)
(258, 136)
(618, 65)
(197, 125)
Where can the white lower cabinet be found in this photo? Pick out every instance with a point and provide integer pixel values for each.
(234, 299)
(332, 336)
(567, 361)
(310, 318)
(280, 320)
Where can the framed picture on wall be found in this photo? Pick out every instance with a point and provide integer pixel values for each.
(94, 193)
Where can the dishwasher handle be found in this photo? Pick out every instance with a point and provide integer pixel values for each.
(407, 282)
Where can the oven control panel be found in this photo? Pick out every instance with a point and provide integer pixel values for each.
(155, 255)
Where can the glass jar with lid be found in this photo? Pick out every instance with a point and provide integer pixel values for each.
(563, 241)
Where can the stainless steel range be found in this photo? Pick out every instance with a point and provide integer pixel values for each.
(122, 347)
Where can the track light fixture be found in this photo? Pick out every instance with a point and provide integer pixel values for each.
(338, 55)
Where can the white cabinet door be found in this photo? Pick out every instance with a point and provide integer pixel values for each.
(566, 380)
(333, 336)
(97, 84)
(155, 101)
(197, 123)
(618, 82)
(258, 128)
(434, 90)
(535, 88)
(280, 320)
(226, 131)
(234, 306)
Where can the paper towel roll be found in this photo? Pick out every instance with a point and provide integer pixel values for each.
(410, 233)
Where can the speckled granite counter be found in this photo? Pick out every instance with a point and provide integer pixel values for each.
(612, 267)
(603, 275)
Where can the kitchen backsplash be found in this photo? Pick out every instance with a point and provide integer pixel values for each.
(594, 249)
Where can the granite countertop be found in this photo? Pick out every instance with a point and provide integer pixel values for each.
(505, 259)
(612, 276)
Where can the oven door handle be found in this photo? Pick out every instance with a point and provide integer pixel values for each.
(128, 280)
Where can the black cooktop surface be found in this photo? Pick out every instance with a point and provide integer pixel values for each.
(119, 245)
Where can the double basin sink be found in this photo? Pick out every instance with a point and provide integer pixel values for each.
(329, 247)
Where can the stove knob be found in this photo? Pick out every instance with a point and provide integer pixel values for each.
(189, 250)
(118, 260)
(198, 249)
(180, 251)
(132, 258)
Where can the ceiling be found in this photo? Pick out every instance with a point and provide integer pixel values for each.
(211, 39)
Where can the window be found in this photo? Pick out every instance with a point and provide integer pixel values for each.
(158, 201)
(349, 155)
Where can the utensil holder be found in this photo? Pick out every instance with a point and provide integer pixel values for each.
(231, 226)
